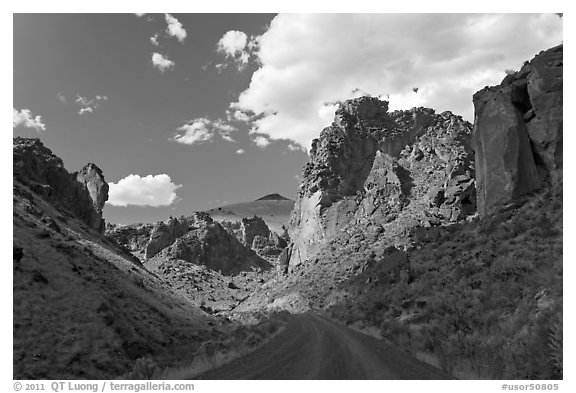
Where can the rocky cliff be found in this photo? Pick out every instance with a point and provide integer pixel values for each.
(518, 132)
(196, 239)
(208, 243)
(250, 227)
(82, 194)
(164, 234)
(93, 180)
(382, 173)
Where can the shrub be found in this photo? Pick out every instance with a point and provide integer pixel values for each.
(144, 368)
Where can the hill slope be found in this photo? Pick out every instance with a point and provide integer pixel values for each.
(82, 307)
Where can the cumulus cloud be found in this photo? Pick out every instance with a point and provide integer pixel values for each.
(150, 190)
(238, 47)
(261, 141)
(161, 62)
(175, 28)
(202, 130)
(154, 40)
(295, 147)
(238, 116)
(308, 62)
(26, 118)
(240, 151)
(88, 105)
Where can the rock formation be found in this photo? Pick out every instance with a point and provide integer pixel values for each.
(92, 178)
(196, 239)
(83, 194)
(518, 132)
(254, 232)
(164, 234)
(133, 237)
(252, 227)
(208, 243)
(382, 172)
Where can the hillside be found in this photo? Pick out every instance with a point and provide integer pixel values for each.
(386, 234)
(274, 209)
(84, 308)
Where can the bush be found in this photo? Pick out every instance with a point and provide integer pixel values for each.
(144, 368)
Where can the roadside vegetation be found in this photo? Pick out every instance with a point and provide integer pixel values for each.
(258, 329)
(481, 300)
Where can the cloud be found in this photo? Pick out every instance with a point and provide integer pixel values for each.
(238, 116)
(202, 130)
(240, 151)
(150, 190)
(310, 60)
(139, 15)
(261, 141)
(238, 47)
(161, 62)
(88, 105)
(154, 40)
(175, 28)
(233, 42)
(295, 147)
(26, 118)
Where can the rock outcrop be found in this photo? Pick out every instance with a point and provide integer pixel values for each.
(208, 243)
(164, 234)
(83, 194)
(254, 232)
(252, 227)
(196, 239)
(133, 237)
(92, 178)
(518, 132)
(373, 171)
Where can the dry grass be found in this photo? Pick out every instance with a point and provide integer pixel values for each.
(81, 309)
(484, 301)
(243, 340)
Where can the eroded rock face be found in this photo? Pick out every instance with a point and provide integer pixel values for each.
(371, 173)
(83, 193)
(163, 234)
(208, 243)
(133, 237)
(518, 132)
(92, 178)
(252, 227)
(195, 239)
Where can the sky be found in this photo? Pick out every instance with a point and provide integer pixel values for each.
(186, 112)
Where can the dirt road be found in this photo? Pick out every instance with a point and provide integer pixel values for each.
(313, 347)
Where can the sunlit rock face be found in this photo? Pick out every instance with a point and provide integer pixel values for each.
(382, 173)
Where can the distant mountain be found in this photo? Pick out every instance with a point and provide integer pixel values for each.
(273, 197)
(274, 209)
